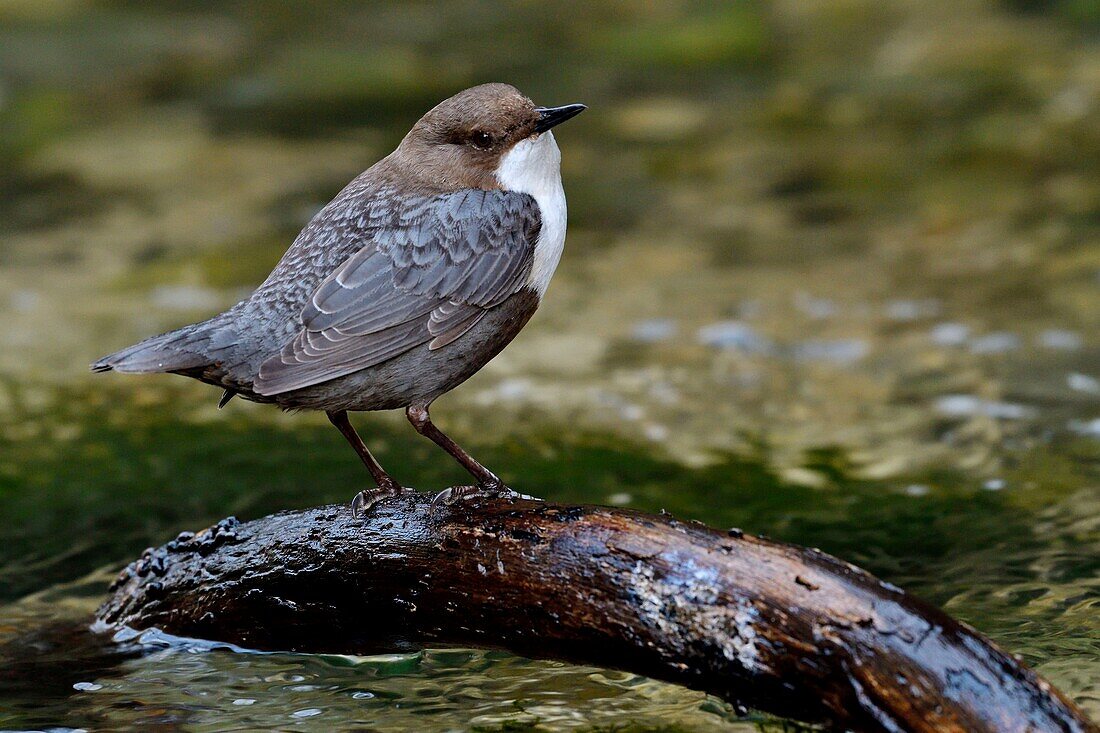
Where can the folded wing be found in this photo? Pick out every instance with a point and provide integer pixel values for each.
(426, 275)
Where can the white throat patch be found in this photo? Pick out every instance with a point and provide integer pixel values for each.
(533, 166)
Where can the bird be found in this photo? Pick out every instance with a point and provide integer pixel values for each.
(419, 272)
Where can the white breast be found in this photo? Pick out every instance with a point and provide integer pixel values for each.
(533, 166)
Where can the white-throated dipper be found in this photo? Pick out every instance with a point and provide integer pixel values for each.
(407, 283)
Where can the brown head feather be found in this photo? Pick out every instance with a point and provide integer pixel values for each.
(459, 143)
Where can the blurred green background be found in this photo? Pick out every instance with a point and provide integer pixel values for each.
(832, 275)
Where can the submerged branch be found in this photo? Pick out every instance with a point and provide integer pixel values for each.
(776, 627)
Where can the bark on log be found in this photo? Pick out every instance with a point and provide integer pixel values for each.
(780, 628)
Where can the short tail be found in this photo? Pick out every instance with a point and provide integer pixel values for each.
(170, 352)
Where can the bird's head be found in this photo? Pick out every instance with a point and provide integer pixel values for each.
(470, 139)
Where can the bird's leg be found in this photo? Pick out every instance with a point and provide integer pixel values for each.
(488, 483)
(385, 487)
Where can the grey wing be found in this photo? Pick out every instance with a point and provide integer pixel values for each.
(427, 276)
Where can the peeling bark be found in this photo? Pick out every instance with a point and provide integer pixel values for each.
(780, 628)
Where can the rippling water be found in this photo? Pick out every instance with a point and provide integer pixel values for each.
(832, 276)
(62, 674)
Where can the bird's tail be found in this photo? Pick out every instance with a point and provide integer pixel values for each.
(174, 351)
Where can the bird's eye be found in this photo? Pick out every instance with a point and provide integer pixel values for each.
(481, 140)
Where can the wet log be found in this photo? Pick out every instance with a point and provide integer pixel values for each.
(779, 628)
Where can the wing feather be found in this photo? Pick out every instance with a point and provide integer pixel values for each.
(427, 275)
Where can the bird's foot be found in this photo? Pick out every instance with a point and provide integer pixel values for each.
(367, 498)
(487, 490)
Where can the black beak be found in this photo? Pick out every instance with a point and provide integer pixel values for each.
(550, 116)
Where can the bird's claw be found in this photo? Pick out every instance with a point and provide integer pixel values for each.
(456, 494)
(367, 498)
